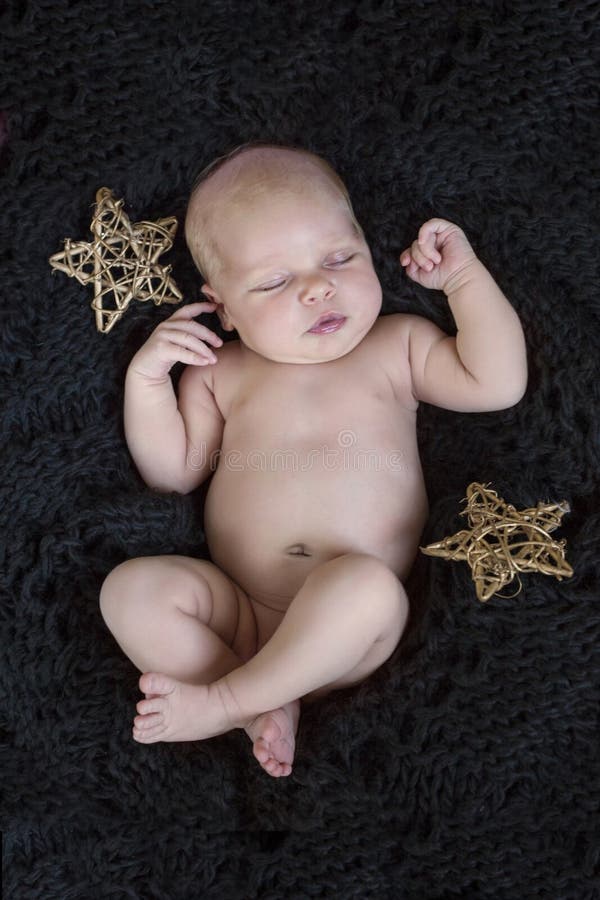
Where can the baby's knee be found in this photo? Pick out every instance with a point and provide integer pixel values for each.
(380, 593)
(366, 579)
(366, 570)
(118, 585)
(386, 591)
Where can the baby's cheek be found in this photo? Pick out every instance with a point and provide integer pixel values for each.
(373, 293)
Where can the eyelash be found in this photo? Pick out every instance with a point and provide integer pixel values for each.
(338, 263)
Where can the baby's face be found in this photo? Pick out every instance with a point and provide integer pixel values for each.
(298, 282)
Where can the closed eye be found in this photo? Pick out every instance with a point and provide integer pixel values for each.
(339, 262)
(272, 287)
(336, 262)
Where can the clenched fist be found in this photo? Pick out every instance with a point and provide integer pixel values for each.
(439, 257)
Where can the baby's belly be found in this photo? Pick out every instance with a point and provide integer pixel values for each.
(268, 529)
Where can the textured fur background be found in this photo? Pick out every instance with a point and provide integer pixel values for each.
(469, 766)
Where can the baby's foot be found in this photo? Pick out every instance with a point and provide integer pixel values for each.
(273, 735)
(174, 711)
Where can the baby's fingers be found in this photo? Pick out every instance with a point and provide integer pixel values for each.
(195, 329)
(191, 310)
(417, 258)
(188, 348)
(425, 251)
(409, 265)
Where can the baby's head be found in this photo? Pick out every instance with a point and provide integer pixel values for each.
(269, 222)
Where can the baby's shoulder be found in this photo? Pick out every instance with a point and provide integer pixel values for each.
(390, 331)
(389, 342)
(220, 379)
(229, 353)
(393, 331)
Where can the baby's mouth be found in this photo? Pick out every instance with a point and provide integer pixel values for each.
(327, 323)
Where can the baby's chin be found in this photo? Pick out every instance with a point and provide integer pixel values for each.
(306, 359)
(316, 349)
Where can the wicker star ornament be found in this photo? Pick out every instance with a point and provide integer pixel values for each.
(503, 541)
(121, 261)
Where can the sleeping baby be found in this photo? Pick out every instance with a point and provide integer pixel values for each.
(307, 424)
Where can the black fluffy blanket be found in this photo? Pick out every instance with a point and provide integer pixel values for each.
(469, 765)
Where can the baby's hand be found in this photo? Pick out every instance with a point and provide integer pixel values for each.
(177, 339)
(440, 253)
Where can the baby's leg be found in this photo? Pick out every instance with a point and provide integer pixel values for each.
(345, 621)
(180, 615)
(343, 624)
(185, 618)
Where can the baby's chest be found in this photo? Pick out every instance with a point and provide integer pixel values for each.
(311, 415)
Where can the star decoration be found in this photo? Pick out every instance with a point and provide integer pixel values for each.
(121, 261)
(503, 541)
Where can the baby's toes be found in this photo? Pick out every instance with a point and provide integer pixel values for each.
(151, 705)
(271, 766)
(279, 769)
(155, 683)
(146, 723)
(149, 728)
(261, 751)
(148, 735)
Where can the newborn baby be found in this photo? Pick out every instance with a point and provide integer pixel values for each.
(307, 424)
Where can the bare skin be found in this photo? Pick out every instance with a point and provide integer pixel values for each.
(317, 499)
(273, 734)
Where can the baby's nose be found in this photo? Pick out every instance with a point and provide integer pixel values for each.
(317, 291)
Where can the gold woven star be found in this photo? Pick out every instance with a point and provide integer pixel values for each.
(503, 541)
(121, 261)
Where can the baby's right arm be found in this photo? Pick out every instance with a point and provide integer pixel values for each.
(157, 433)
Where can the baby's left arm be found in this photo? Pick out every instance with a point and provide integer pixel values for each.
(485, 366)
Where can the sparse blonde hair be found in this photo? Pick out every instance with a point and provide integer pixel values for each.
(245, 179)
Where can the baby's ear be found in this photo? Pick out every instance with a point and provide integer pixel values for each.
(226, 323)
(208, 292)
(213, 297)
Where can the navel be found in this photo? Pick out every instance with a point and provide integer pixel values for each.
(297, 550)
